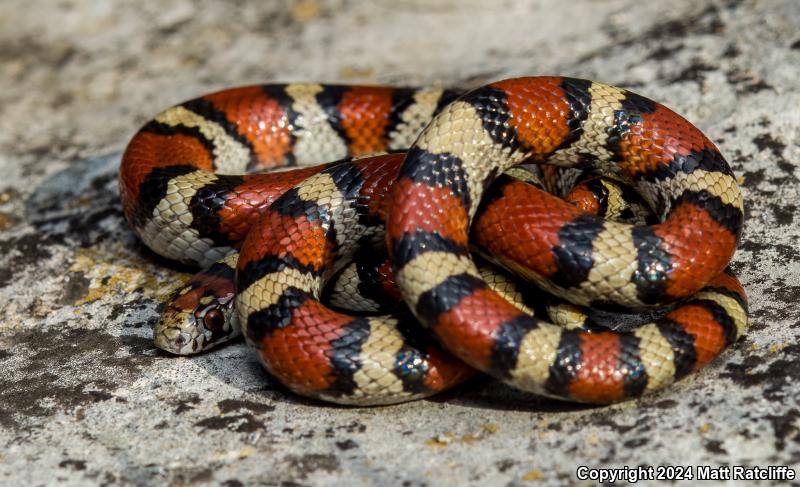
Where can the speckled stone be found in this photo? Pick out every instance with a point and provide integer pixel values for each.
(85, 398)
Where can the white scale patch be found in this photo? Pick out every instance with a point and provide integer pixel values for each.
(537, 351)
(230, 156)
(458, 130)
(376, 380)
(605, 101)
(346, 295)
(615, 261)
(503, 286)
(169, 231)
(718, 184)
(535, 279)
(656, 354)
(230, 260)
(266, 291)
(731, 306)
(414, 118)
(524, 174)
(428, 270)
(375, 377)
(317, 141)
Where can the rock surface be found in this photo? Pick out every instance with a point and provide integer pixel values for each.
(85, 398)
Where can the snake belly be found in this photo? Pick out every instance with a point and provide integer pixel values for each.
(179, 200)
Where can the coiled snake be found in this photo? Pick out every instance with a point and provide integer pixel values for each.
(185, 192)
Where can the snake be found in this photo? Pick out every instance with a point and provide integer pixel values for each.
(185, 192)
(201, 314)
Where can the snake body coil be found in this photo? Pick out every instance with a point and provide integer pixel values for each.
(185, 194)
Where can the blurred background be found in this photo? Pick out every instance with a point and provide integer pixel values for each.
(86, 73)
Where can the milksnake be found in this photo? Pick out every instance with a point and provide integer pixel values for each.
(201, 314)
(184, 193)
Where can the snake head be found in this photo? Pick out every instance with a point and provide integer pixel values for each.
(199, 316)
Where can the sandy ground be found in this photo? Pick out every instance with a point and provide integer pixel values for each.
(86, 399)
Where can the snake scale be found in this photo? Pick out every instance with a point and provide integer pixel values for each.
(193, 188)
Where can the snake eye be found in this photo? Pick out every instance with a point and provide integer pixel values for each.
(214, 320)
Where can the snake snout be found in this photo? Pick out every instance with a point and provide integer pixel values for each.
(173, 340)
